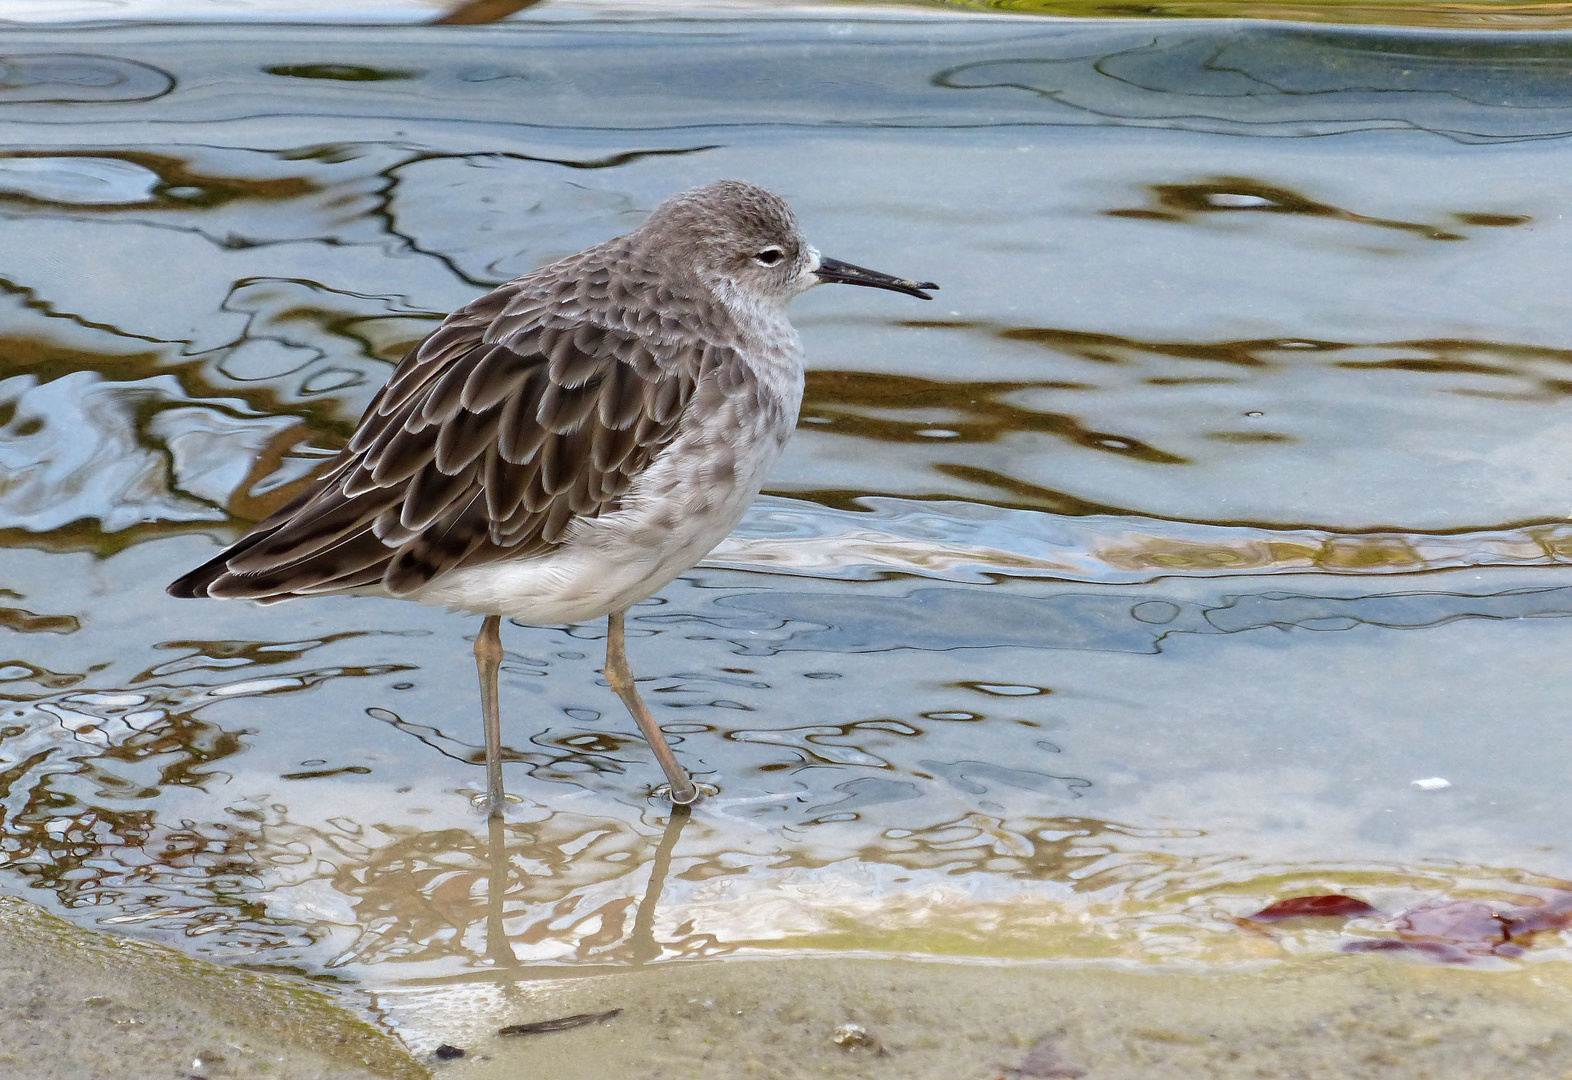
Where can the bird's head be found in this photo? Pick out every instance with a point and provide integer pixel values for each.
(738, 236)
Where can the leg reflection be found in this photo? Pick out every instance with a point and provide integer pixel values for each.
(645, 947)
(499, 950)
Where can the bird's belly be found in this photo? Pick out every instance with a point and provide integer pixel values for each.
(675, 517)
(569, 585)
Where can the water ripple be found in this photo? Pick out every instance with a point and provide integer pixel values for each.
(971, 542)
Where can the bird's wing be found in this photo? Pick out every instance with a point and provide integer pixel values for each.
(520, 413)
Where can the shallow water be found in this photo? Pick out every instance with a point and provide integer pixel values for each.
(1123, 589)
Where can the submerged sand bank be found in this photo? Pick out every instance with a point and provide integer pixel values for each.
(82, 1004)
(1332, 1016)
(89, 1004)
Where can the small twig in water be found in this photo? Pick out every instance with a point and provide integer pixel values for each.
(562, 1023)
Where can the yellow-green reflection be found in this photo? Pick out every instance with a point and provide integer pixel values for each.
(1479, 15)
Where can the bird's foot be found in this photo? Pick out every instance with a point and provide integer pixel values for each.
(493, 807)
(696, 792)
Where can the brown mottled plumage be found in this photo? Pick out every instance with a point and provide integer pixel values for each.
(524, 411)
(565, 445)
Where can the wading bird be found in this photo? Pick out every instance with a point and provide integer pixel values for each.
(566, 445)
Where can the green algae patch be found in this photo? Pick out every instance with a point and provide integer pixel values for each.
(83, 1003)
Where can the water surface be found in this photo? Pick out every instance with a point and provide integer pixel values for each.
(1127, 587)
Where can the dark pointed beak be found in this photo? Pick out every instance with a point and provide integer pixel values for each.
(837, 272)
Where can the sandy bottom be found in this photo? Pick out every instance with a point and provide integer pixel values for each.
(1337, 1016)
(82, 1005)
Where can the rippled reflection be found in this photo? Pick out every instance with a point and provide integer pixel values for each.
(1221, 498)
(1231, 194)
(66, 78)
(98, 460)
(224, 792)
(1488, 15)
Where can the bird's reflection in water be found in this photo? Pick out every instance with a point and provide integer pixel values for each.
(499, 949)
(645, 947)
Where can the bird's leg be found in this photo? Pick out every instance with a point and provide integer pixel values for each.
(488, 658)
(683, 790)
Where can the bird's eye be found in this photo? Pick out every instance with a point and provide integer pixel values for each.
(769, 256)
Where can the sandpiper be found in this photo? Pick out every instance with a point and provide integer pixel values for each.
(566, 445)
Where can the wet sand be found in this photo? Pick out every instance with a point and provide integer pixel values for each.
(1334, 1016)
(82, 1004)
(90, 1004)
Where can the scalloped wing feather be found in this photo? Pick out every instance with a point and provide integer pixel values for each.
(536, 405)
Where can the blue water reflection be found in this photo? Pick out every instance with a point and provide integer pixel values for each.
(1222, 495)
